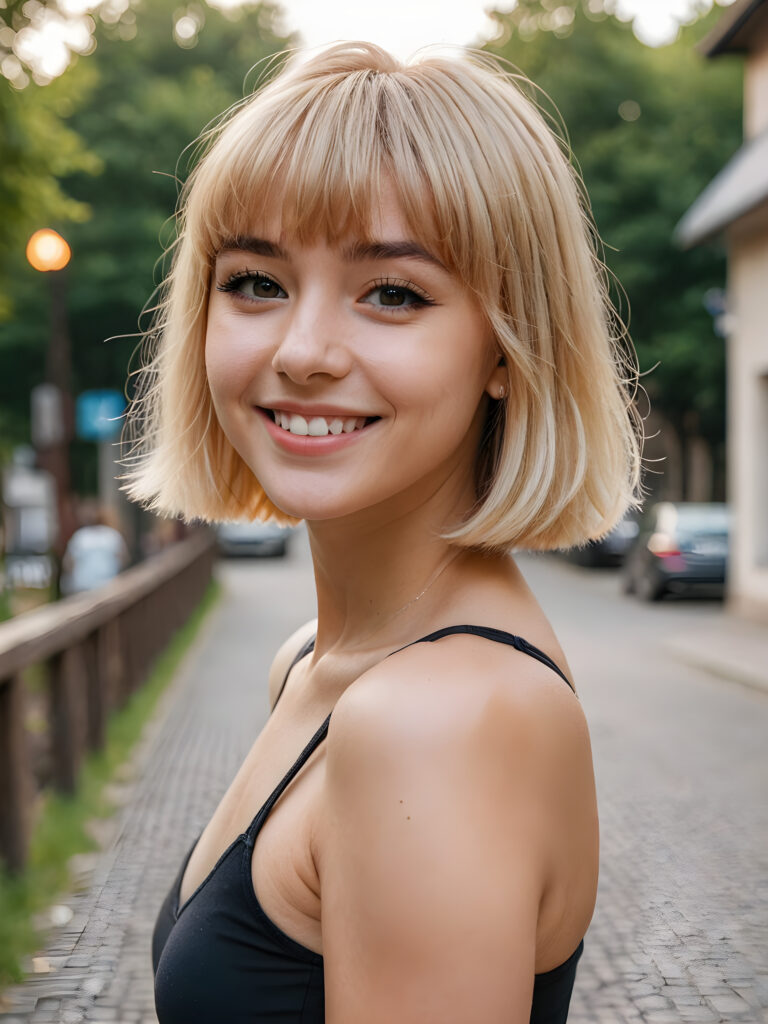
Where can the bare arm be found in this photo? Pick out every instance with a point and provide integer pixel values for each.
(437, 853)
(285, 655)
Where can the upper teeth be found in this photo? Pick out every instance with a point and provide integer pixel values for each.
(317, 426)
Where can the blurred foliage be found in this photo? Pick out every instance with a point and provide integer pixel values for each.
(107, 137)
(649, 128)
(38, 150)
(39, 37)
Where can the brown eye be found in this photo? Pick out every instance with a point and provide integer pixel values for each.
(391, 296)
(263, 288)
(253, 286)
(395, 296)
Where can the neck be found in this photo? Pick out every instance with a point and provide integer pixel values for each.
(380, 573)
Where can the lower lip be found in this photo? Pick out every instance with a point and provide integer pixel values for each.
(300, 444)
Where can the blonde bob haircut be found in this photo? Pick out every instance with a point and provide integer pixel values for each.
(485, 186)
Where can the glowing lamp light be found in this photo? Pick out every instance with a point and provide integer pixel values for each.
(47, 250)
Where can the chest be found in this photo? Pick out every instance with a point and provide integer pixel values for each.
(283, 859)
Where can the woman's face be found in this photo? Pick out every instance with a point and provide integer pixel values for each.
(348, 377)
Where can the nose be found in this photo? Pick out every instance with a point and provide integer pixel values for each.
(313, 342)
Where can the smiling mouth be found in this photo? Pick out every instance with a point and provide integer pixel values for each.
(318, 426)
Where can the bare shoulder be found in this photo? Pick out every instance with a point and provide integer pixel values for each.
(463, 690)
(451, 771)
(470, 708)
(285, 655)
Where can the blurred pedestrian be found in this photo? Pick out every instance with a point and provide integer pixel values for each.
(95, 553)
(386, 316)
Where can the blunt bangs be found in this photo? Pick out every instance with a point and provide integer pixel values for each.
(486, 187)
(318, 158)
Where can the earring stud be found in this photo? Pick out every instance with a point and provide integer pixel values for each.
(502, 391)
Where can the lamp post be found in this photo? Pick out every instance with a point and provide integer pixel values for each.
(52, 416)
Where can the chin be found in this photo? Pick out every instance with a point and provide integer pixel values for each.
(316, 508)
(321, 494)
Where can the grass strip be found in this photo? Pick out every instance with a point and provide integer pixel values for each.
(59, 831)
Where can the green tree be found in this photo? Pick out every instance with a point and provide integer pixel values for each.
(649, 128)
(147, 91)
(38, 149)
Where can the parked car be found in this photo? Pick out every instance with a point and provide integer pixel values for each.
(254, 538)
(609, 550)
(679, 546)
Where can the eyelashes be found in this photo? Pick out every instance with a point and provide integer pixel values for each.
(239, 281)
(395, 295)
(395, 289)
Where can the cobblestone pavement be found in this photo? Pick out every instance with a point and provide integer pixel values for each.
(680, 931)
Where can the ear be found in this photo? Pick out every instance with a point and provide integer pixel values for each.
(497, 384)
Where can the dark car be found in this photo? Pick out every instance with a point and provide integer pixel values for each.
(679, 546)
(254, 538)
(610, 549)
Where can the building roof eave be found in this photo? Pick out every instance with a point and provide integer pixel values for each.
(727, 35)
(739, 187)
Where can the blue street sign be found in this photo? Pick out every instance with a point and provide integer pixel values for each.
(98, 415)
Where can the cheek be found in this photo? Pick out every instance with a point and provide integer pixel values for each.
(443, 372)
(222, 370)
(231, 358)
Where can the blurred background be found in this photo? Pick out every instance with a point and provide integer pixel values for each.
(665, 105)
(100, 104)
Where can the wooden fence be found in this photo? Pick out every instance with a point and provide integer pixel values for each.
(97, 648)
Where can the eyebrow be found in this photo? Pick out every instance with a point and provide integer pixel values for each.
(258, 246)
(390, 251)
(352, 254)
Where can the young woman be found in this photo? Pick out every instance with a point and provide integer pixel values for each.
(386, 317)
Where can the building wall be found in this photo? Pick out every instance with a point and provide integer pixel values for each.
(748, 416)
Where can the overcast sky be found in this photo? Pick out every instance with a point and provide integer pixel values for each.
(402, 26)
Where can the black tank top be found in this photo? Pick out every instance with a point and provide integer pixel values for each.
(219, 958)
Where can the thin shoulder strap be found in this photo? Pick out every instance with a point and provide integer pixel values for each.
(305, 648)
(489, 632)
(280, 788)
(500, 636)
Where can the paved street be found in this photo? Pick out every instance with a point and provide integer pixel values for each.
(680, 932)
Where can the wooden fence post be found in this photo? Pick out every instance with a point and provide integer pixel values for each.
(95, 693)
(67, 692)
(110, 661)
(16, 788)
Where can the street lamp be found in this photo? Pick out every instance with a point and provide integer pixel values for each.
(47, 250)
(52, 417)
